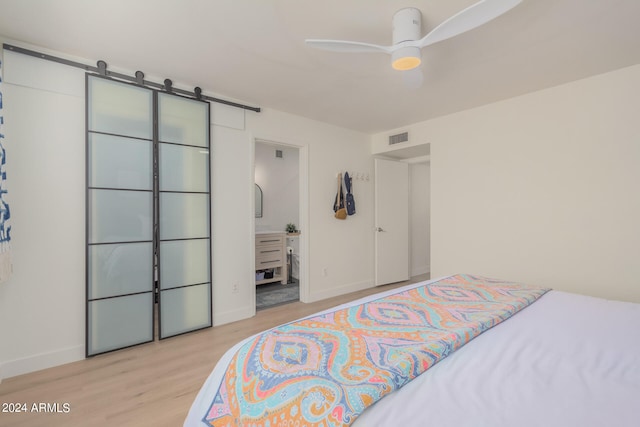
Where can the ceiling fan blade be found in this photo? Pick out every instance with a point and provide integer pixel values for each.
(346, 46)
(472, 17)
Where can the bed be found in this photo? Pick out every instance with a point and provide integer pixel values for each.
(543, 358)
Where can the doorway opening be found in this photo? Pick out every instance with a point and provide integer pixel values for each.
(403, 180)
(420, 218)
(277, 176)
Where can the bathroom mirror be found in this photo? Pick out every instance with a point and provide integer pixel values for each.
(258, 201)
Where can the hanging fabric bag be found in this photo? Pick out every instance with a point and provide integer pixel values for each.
(338, 205)
(351, 203)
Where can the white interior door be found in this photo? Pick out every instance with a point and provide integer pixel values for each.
(391, 221)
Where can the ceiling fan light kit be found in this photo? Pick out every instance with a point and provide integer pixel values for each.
(406, 58)
(407, 23)
(407, 26)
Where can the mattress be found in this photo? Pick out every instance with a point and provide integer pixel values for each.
(565, 360)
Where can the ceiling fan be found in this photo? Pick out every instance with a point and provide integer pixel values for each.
(407, 43)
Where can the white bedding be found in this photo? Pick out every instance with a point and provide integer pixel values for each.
(566, 360)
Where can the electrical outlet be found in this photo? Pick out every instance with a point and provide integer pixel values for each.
(236, 288)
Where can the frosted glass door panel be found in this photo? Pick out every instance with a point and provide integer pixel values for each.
(120, 108)
(120, 269)
(119, 322)
(117, 162)
(120, 216)
(184, 262)
(192, 164)
(185, 309)
(182, 120)
(184, 216)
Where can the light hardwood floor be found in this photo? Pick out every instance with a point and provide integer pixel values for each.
(149, 385)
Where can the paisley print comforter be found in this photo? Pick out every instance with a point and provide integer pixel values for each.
(324, 370)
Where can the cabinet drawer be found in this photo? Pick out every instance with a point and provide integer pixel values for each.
(269, 240)
(271, 251)
(262, 263)
(269, 256)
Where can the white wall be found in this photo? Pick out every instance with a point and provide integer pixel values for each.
(342, 249)
(279, 178)
(542, 188)
(42, 307)
(232, 220)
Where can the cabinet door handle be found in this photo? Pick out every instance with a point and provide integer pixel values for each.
(272, 250)
(269, 262)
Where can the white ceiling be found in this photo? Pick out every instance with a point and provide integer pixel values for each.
(254, 50)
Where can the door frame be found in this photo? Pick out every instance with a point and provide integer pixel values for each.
(303, 210)
(417, 161)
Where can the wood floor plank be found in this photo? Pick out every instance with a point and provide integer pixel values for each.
(149, 385)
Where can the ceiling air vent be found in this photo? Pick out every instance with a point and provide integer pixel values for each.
(401, 137)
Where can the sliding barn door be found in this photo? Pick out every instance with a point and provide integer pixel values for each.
(184, 219)
(148, 215)
(120, 235)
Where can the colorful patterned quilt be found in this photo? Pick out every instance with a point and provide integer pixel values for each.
(326, 369)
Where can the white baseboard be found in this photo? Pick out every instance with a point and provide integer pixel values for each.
(41, 361)
(341, 290)
(38, 362)
(233, 315)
